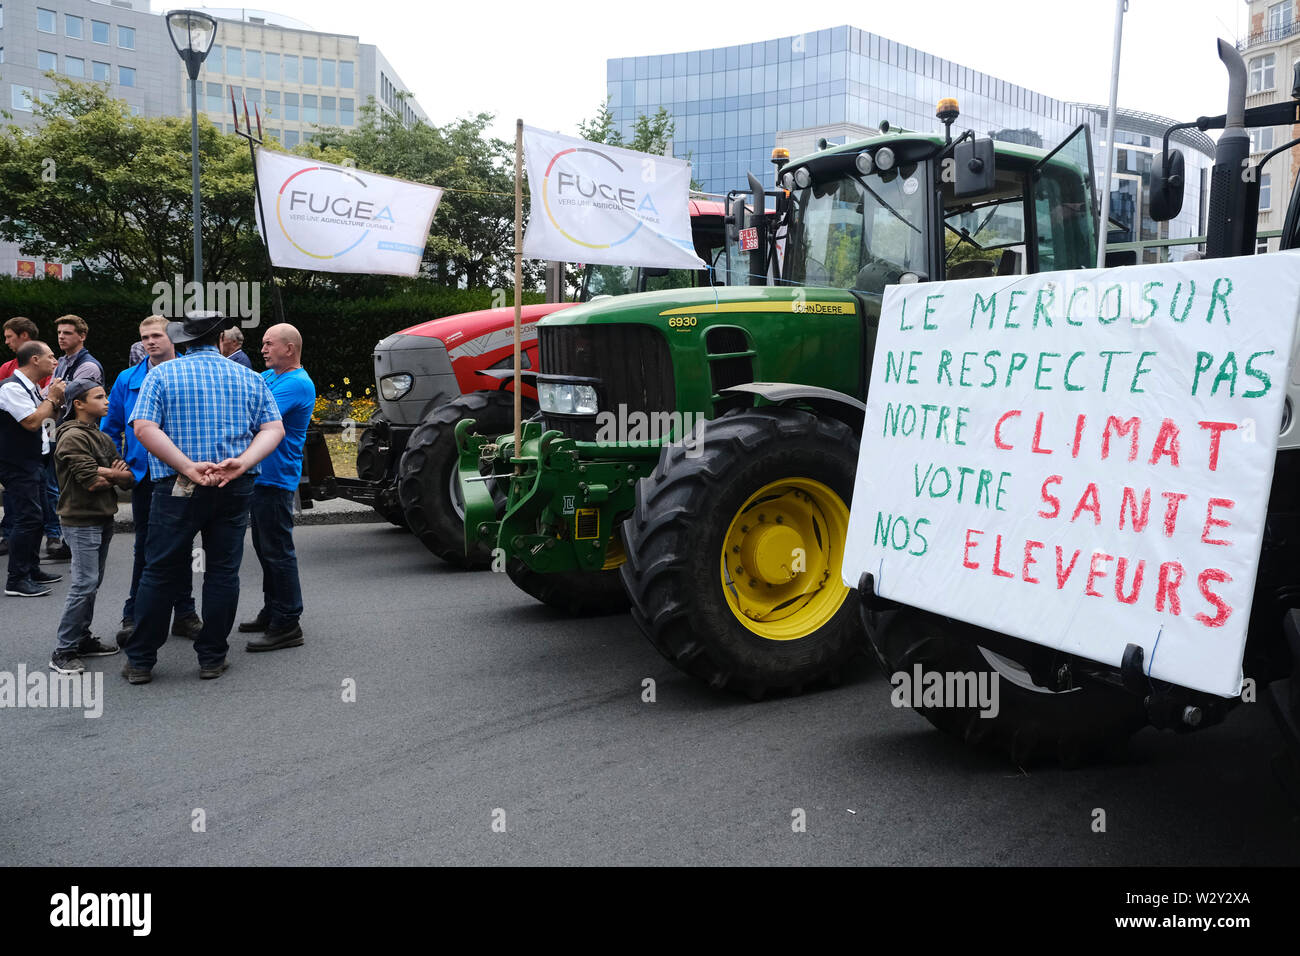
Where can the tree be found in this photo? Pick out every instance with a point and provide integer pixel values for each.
(94, 185)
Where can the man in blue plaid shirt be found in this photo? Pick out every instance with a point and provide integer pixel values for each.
(207, 423)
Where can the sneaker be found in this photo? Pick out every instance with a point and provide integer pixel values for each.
(188, 626)
(136, 675)
(124, 633)
(94, 647)
(56, 549)
(42, 577)
(66, 662)
(259, 623)
(27, 588)
(273, 640)
(213, 671)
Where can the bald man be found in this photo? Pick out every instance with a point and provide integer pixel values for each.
(272, 507)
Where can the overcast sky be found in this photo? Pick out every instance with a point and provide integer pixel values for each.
(546, 62)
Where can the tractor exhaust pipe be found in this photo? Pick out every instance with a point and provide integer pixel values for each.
(758, 258)
(1232, 217)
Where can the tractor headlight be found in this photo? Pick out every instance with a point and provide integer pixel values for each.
(802, 178)
(787, 180)
(864, 163)
(885, 158)
(561, 398)
(393, 387)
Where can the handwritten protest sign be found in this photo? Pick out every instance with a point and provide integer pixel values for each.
(1081, 459)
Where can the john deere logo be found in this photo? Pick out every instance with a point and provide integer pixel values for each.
(581, 187)
(324, 214)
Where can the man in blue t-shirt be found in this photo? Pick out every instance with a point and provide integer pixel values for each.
(272, 508)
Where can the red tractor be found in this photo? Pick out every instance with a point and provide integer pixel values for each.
(432, 375)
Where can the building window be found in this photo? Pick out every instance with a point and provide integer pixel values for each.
(1261, 73)
(126, 76)
(253, 64)
(234, 61)
(45, 22)
(272, 133)
(20, 98)
(99, 32)
(327, 111)
(1279, 19)
(98, 71)
(1261, 140)
(74, 66)
(309, 70)
(45, 60)
(291, 106)
(345, 111)
(214, 98)
(327, 73)
(309, 114)
(1261, 246)
(273, 66)
(1265, 191)
(126, 38)
(290, 68)
(346, 68)
(73, 26)
(273, 103)
(290, 138)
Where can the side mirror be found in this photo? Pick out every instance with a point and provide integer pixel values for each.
(1167, 186)
(652, 272)
(735, 218)
(976, 165)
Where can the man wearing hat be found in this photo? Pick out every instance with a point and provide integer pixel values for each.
(207, 423)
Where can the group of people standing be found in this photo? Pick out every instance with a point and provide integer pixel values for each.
(205, 444)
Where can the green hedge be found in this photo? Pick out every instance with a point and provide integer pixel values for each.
(339, 329)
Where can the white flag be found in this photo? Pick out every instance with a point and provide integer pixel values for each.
(605, 205)
(338, 219)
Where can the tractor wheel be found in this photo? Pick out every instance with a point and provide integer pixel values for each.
(576, 593)
(426, 477)
(373, 458)
(1033, 722)
(734, 555)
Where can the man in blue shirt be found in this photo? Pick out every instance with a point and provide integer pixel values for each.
(272, 509)
(207, 423)
(157, 348)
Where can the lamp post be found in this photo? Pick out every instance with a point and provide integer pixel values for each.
(192, 34)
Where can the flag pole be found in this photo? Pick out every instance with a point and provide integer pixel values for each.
(519, 280)
(1104, 225)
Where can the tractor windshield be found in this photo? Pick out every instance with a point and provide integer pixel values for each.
(860, 232)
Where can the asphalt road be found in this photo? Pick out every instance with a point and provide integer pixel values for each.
(473, 704)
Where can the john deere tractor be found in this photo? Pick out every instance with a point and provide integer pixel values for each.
(724, 526)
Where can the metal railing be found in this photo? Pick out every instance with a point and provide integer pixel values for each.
(1271, 35)
(1163, 245)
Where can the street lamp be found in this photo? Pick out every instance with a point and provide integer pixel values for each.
(192, 34)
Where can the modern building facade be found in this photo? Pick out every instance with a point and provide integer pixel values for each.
(1271, 49)
(300, 79)
(733, 104)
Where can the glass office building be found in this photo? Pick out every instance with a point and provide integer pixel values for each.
(733, 104)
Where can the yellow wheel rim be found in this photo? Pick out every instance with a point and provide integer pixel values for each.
(615, 554)
(781, 559)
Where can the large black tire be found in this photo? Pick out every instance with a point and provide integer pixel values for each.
(373, 459)
(678, 533)
(575, 593)
(1033, 723)
(427, 471)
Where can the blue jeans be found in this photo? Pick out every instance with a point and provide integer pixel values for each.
(220, 515)
(89, 546)
(141, 499)
(49, 516)
(24, 487)
(50, 503)
(272, 519)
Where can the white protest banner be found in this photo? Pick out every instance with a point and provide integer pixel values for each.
(604, 205)
(338, 219)
(1081, 459)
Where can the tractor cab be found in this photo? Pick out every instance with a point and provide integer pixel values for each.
(907, 207)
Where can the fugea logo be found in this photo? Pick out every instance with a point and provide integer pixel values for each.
(76, 909)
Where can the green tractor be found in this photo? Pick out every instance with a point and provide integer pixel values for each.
(696, 449)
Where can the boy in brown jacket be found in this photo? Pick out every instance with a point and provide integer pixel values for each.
(88, 467)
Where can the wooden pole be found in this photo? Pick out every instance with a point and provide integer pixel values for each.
(519, 280)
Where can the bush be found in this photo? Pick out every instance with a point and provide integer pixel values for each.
(339, 330)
